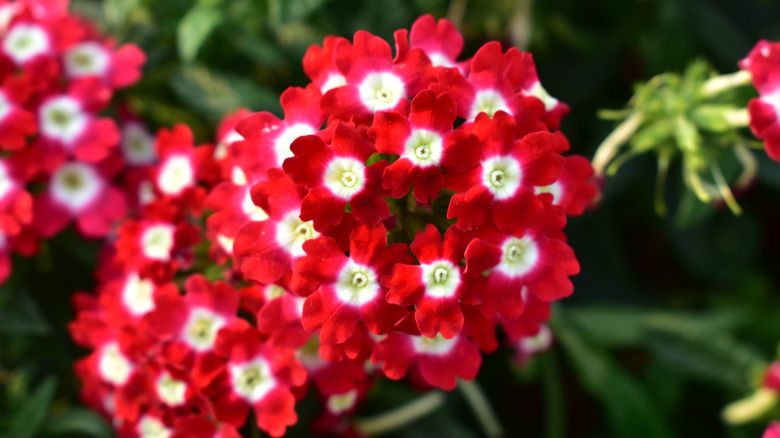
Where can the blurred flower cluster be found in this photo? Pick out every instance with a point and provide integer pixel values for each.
(405, 208)
(60, 158)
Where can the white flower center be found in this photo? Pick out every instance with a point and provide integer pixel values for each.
(344, 177)
(252, 380)
(540, 93)
(201, 328)
(502, 175)
(438, 345)
(171, 391)
(356, 284)
(157, 242)
(252, 211)
(5, 106)
(137, 144)
(176, 175)
(223, 147)
(61, 118)
(554, 189)
(226, 243)
(238, 176)
(519, 256)
(273, 292)
(137, 295)
(285, 139)
(75, 185)
(146, 192)
(24, 42)
(441, 278)
(439, 60)
(150, 427)
(423, 148)
(488, 101)
(537, 344)
(113, 365)
(334, 80)
(340, 403)
(291, 232)
(381, 91)
(6, 183)
(774, 100)
(86, 59)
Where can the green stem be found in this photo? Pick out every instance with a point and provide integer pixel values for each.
(719, 84)
(725, 191)
(481, 408)
(555, 426)
(610, 146)
(401, 416)
(520, 24)
(664, 159)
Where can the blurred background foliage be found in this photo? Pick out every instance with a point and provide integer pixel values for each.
(671, 319)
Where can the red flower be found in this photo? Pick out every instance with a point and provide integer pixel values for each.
(266, 139)
(68, 126)
(575, 189)
(772, 431)
(192, 322)
(267, 249)
(440, 40)
(441, 361)
(159, 244)
(502, 183)
(259, 376)
(82, 192)
(117, 68)
(494, 84)
(437, 285)
(426, 144)
(16, 122)
(349, 289)
(336, 175)
(320, 65)
(763, 62)
(536, 259)
(374, 82)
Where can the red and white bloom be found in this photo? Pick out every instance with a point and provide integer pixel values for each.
(349, 288)
(16, 122)
(502, 183)
(437, 285)
(82, 192)
(337, 175)
(266, 139)
(426, 145)
(374, 81)
(763, 62)
(441, 361)
(536, 259)
(256, 376)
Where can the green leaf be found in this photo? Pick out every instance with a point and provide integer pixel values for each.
(614, 326)
(79, 422)
(117, 11)
(213, 94)
(629, 409)
(719, 360)
(21, 316)
(194, 28)
(29, 419)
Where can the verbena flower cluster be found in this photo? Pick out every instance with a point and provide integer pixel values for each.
(56, 74)
(403, 209)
